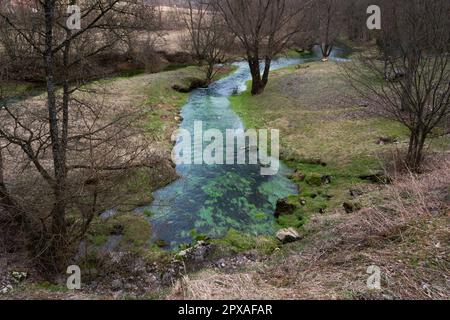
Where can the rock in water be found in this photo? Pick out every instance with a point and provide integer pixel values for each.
(288, 235)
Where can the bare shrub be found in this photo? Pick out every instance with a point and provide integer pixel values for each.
(408, 79)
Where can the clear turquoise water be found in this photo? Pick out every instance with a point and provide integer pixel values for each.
(212, 199)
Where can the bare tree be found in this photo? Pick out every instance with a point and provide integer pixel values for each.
(141, 43)
(264, 29)
(207, 37)
(61, 140)
(354, 18)
(327, 24)
(410, 82)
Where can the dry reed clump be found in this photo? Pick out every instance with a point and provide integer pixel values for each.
(408, 199)
(210, 285)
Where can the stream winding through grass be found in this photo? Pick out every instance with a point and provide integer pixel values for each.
(212, 199)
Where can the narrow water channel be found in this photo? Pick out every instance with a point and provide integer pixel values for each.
(211, 199)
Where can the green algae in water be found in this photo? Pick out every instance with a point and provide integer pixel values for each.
(213, 199)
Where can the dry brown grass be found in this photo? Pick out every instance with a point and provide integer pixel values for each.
(210, 285)
(408, 199)
(405, 232)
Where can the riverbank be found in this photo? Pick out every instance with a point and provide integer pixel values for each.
(347, 223)
(329, 136)
(119, 244)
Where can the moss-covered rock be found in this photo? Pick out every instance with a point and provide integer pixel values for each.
(285, 207)
(133, 229)
(136, 229)
(352, 206)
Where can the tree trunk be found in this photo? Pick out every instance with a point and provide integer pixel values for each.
(5, 199)
(53, 256)
(265, 78)
(15, 221)
(414, 158)
(210, 72)
(259, 82)
(386, 68)
(326, 50)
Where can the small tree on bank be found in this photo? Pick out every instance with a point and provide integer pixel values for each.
(409, 81)
(264, 29)
(328, 24)
(207, 37)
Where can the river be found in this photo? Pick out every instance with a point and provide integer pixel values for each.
(211, 199)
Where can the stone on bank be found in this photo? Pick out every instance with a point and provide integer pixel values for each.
(288, 235)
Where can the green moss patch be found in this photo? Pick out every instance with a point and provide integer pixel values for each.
(240, 242)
